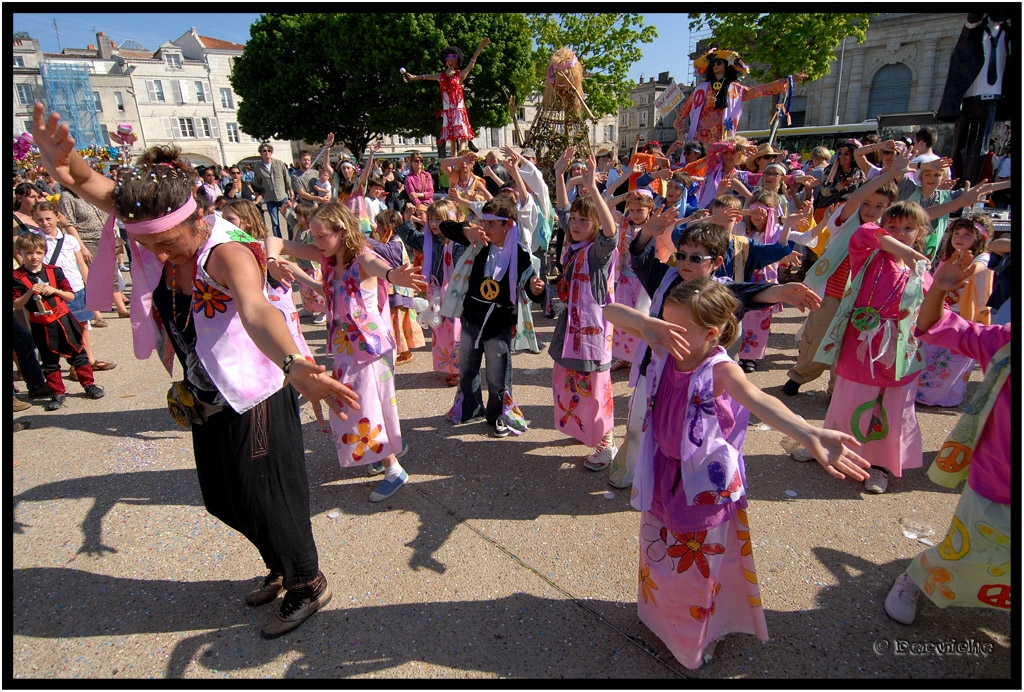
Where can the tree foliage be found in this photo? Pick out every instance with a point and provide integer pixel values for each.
(607, 45)
(778, 44)
(304, 75)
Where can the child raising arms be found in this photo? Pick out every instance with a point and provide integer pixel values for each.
(698, 581)
(975, 554)
(944, 378)
(360, 339)
(581, 379)
(870, 340)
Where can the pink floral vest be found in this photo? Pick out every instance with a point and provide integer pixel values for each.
(355, 330)
(588, 336)
(237, 367)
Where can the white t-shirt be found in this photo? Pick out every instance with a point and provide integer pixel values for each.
(375, 206)
(66, 260)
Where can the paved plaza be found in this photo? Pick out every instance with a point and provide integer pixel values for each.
(500, 558)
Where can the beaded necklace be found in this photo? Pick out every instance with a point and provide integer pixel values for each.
(174, 300)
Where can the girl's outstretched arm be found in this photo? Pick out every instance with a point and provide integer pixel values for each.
(832, 449)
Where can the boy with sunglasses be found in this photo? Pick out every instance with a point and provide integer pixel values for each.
(706, 249)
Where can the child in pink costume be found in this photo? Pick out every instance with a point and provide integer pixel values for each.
(764, 226)
(945, 374)
(359, 336)
(697, 578)
(971, 567)
(878, 358)
(581, 346)
(628, 290)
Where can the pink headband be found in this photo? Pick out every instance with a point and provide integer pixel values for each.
(980, 228)
(163, 223)
(562, 67)
(644, 191)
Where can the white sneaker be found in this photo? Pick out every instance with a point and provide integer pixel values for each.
(901, 603)
(320, 318)
(601, 459)
(802, 454)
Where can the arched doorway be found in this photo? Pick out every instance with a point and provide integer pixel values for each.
(890, 90)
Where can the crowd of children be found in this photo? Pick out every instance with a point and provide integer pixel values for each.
(679, 286)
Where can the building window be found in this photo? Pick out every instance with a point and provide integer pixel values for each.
(207, 128)
(624, 119)
(96, 101)
(28, 125)
(200, 92)
(522, 115)
(19, 61)
(233, 135)
(119, 101)
(643, 119)
(890, 90)
(226, 99)
(609, 133)
(156, 90)
(25, 96)
(186, 128)
(397, 139)
(173, 61)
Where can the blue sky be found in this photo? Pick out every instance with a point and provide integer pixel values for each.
(77, 30)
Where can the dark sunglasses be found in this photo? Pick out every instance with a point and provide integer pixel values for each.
(692, 259)
(234, 172)
(719, 61)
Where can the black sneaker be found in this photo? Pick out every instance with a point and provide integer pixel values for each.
(500, 428)
(748, 365)
(295, 609)
(55, 402)
(267, 591)
(94, 391)
(791, 388)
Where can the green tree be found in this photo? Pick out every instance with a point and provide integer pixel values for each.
(778, 44)
(304, 75)
(607, 45)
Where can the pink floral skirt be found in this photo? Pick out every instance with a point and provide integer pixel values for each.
(695, 588)
(584, 408)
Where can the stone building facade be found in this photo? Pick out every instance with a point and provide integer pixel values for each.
(901, 67)
(641, 120)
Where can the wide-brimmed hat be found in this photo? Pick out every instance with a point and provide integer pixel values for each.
(731, 57)
(603, 151)
(528, 152)
(766, 150)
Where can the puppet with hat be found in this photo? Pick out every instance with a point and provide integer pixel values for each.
(714, 108)
(561, 119)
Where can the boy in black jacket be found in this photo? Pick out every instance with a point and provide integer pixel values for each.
(486, 301)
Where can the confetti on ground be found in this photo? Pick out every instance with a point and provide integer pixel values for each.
(791, 493)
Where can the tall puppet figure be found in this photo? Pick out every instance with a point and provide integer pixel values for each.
(560, 123)
(715, 107)
(981, 74)
(455, 125)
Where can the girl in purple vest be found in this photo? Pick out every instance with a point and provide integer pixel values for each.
(697, 579)
(359, 336)
(581, 345)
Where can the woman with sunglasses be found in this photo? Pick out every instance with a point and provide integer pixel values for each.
(419, 184)
(238, 188)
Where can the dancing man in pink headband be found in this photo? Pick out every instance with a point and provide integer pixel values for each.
(200, 294)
